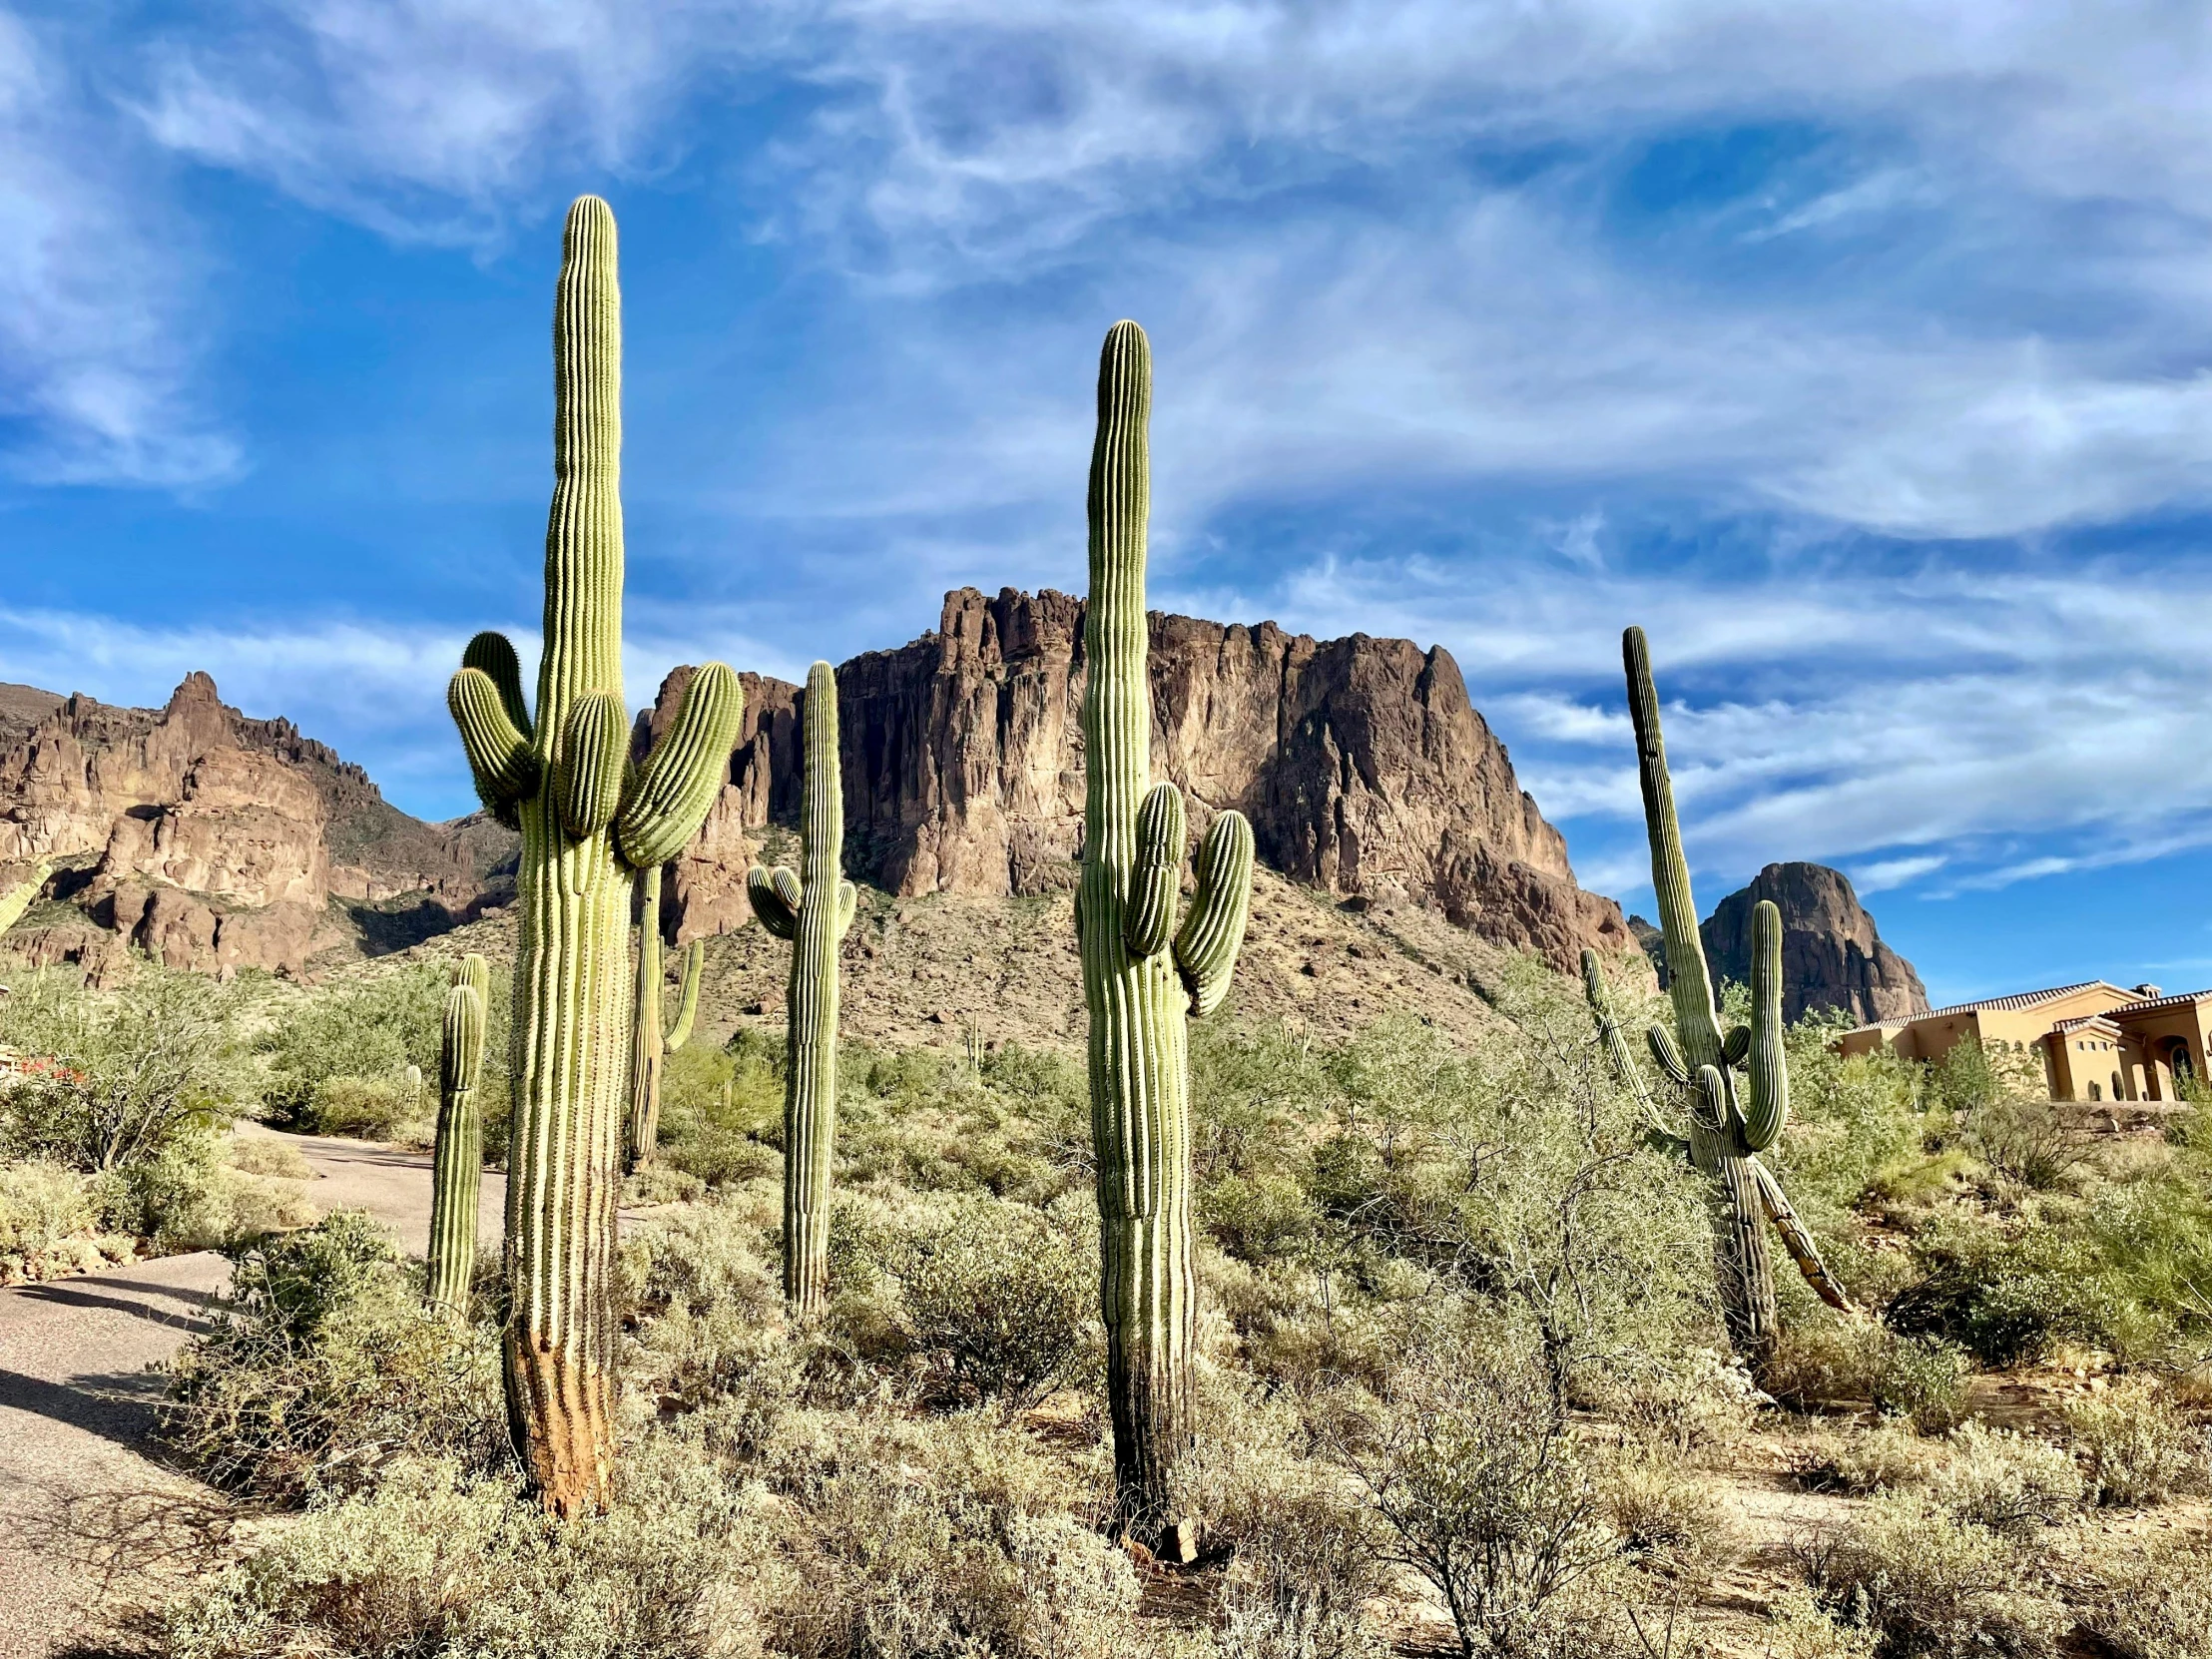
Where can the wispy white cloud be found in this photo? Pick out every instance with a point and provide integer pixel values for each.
(96, 359)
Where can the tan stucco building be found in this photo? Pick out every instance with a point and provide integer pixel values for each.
(2097, 1041)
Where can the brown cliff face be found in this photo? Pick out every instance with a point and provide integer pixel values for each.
(214, 842)
(1361, 762)
(1832, 956)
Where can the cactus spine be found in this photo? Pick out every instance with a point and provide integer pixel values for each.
(457, 1166)
(587, 822)
(813, 910)
(1723, 1130)
(1142, 979)
(649, 1044)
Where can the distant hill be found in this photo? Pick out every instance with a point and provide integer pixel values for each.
(216, 842)
(1833, 956)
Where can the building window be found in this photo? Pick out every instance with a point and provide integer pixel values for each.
(2095, 1093)
(2118, 1093)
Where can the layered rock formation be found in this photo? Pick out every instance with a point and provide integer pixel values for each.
(1362, 766)
(209, 840)
(1832, 956)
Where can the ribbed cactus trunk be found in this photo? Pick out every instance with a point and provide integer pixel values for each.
(457, 1160)
(813, 910)
(1138, 991)
(586, 824)
(650, 1045)
(1744, 1272)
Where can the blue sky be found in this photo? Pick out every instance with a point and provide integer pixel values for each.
(1858, 351)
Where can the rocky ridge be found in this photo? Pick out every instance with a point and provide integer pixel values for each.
(1831, 955)
(215, 842)
(1365, 768)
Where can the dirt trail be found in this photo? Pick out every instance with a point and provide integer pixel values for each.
(77, 1403)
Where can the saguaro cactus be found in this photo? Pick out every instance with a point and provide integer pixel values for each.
(587, 821)
(813, 910)
(1723, 1129)
(1142, 979)
(649, 1043)
(457, 1165)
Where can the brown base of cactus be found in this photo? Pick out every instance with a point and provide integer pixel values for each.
(1149, 1336)
(561, 1416)
(805, 1262)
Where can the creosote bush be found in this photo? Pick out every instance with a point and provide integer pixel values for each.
(2136, 1447)
(1930, 1586)
(321, 1364)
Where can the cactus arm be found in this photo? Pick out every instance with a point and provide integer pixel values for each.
(493, 655)
(1667, 1056)
(848, 905)
(1736, 1045)
(669, 799)
(810, 1045)
(499, 756)
(587, 775)
(775, 897)
(1213, 932)
(1617, 1053)
(1689, 983)
(1769, 1106)
(641, 1126)
(1798, 1241)
(1157, 875)
(686, 1006)
(458, 1162)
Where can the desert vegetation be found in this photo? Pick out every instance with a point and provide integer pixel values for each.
(1215, 1339)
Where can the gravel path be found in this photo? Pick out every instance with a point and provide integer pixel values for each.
(77, 1404)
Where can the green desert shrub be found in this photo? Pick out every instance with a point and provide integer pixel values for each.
(2155, 1601)
(1889, 1457)
(116, 1078)
(1930, 1586)
(191, 1197)
(996, 1303)
(2005, 1293)
(1923, 1379)
(358, 1108)
(2014, 1484)
(1479, 1488)
(942, 1536)
(1304, 1557)
(722, 1110)
(321, 1364)
(2136, 1447)
(438, 1559)
(2028, 1140)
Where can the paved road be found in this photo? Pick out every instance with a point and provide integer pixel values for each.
(77, 1403)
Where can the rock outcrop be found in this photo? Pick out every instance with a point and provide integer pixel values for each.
(1832, 956)
(1362, 766)
(211, 840)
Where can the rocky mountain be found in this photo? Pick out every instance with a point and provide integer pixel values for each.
(1364, 768)
(1831, 955)
(216, 842)
(219, 841)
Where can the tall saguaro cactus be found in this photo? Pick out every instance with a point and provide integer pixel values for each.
(587, 821)
(649, 1043)
(1142, 979)
(1724, 1128)
(457, 1164)
(813, 910)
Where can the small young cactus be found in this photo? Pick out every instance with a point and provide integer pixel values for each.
(1723, 1131)
(649, 1044)
(588, 821)
(457, 1164)
(813, 910)
(1143, 978)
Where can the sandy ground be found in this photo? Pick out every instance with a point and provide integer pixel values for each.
(77, 1485)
